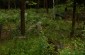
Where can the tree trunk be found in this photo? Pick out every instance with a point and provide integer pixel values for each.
(0, 30)
(44, 3)
(73, 19)
(47, 6)
(22, 7)
(38, 5)
(14, 5)
(53, 9)
(9, 5)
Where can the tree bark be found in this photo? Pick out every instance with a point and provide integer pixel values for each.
(14, 5)
(44, 3)
(47, 6)
(38, 5)
(9, 5)
(0, 30)
(73, 19)
(22, 7)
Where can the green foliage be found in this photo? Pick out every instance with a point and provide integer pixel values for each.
(76, 47)
(32, 3)
(31, 46)
(37, 44)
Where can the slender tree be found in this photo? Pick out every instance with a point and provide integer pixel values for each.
(44, 4)
(47, 6)
(0, 30)
(22, 7)
(73, 19)
(9, 4)
(38, 5)
(14, 3)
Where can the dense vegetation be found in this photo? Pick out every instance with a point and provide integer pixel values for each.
(47, 31)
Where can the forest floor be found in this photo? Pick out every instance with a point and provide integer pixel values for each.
(41, 29)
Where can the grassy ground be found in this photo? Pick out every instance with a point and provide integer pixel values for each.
(36, 43)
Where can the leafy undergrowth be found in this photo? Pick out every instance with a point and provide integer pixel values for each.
(73, 47)
(32, 46)
(36, 42)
